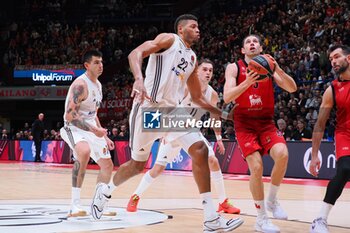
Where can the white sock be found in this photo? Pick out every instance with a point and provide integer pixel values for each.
(260, 208)
(111, 187)
(218, 181)
(76, 195)
(146, 181)
(208, 207)
(273, 193)
(325, 209)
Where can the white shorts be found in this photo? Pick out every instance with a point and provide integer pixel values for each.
(168, 151)
(98, 146)
(141, 141)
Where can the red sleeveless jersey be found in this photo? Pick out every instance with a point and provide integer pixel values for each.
(341, 97)
(257, 101)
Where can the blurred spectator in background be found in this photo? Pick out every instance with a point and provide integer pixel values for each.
(114, 135)
(301, 132)
(229, 133)
(38, 134)
(282, 128)
(26, 127)
(124, 133)
(4, 135)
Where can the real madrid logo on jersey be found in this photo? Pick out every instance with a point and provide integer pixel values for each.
(192, 60)
(181, 76)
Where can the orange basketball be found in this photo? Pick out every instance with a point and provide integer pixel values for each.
(263, 65)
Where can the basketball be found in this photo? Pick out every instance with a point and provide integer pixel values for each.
(263, 65)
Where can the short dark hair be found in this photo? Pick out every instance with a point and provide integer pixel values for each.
(255, 35)
(183, 18)
(346, 49)
(205, 60)
(89, 54)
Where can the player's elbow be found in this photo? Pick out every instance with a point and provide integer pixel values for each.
(134, 54)
(131, 55)
(293, 89)
(68, 117)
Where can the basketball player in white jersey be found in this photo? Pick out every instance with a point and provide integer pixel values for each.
(166, 155)
(171, 67)
(82, 129)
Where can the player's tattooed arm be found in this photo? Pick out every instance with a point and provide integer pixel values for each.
(78, 93)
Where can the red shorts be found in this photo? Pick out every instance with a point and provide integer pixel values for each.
(342, 145)
(257, 137)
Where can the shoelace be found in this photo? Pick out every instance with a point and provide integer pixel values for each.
(135, 200)
(267, 222)
(264, 220)
(275, 204)
(229, 203)
(322, 221)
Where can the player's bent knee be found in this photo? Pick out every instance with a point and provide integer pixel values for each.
(199, 150)
(213, 161)
(344, 170)
(84, 154)
(280, 154)
(137, 166)
(282, 157)
(82, 149)
(256, 169)
(109, 166)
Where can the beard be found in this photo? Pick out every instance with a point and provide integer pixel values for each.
(342, 68)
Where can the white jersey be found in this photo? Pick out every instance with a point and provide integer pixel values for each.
(88, 107)
(196, 111)
(167, 73)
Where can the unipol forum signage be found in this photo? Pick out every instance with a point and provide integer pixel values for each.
(47, 74)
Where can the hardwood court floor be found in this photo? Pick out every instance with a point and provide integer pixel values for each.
(174, 193)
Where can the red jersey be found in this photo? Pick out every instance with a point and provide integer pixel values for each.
(257, 101)
(341, 96)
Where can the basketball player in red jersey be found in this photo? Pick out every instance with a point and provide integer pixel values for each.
(255, 129)
(335, 95)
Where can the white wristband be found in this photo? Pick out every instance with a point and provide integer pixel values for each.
(224, 115)
(218, 137)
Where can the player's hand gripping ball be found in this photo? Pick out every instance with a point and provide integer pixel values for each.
(263, 65)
